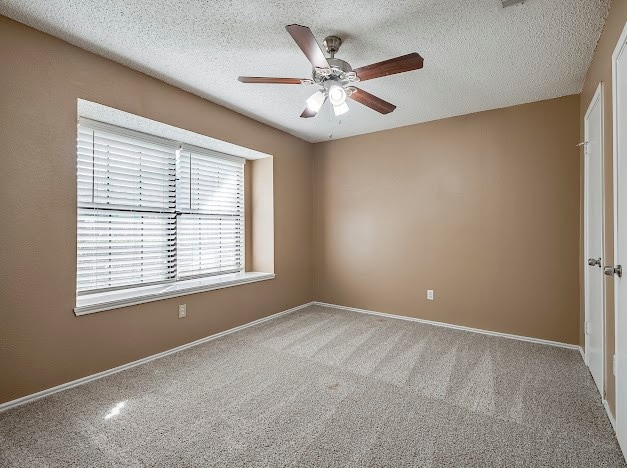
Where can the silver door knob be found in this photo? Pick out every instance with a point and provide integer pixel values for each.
(594, 261)
(617, 270)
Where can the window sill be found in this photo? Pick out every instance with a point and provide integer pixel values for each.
(116, 299)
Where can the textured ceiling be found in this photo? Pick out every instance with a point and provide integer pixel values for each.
(477, 55)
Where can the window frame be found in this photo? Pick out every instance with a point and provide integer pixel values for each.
(157, 289)
(180, 213)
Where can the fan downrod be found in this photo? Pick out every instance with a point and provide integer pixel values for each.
(332, 44)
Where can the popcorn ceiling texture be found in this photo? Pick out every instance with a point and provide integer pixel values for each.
(325, 387)
(478, 56)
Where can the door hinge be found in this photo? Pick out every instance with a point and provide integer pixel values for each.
(588, 328)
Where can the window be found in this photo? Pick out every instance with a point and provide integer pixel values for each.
(153, 211)
(210, 208)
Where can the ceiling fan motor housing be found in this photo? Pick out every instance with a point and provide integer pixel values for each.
(339, 71)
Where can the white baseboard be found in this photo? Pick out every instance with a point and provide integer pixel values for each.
(74, 383)
(455, 327)
(583, 354)
(609, 415)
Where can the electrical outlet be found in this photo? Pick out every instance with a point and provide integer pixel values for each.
(182, 310)
(430, 294)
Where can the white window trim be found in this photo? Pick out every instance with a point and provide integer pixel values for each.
(124, 297)
(109, 300)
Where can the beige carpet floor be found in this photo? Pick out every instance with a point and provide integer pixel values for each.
(325, 387)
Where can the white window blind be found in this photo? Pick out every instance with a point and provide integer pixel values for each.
(150, 212)
(210, 202)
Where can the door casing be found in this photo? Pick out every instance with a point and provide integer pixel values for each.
(620, 377)
(596, 99)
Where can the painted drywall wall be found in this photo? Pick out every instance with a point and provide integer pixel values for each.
(601, 71)
(483, 209)
(42, 343)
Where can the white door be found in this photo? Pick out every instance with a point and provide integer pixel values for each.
(619, 80)
(593, 237)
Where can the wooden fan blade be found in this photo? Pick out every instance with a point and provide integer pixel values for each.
(393, 66)
(370, 100)
(305, 39)
(270, 80)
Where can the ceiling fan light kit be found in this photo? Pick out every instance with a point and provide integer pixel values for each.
(315, 101)
(335, 77)
(340, 109)
(337, 95)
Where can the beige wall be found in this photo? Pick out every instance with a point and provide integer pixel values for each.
(601, 71)
(42, 343)
(483, 209)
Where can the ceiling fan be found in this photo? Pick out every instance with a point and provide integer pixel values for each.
(336, 77)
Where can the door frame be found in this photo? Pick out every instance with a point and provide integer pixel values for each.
(597, 98)
(621, 46)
